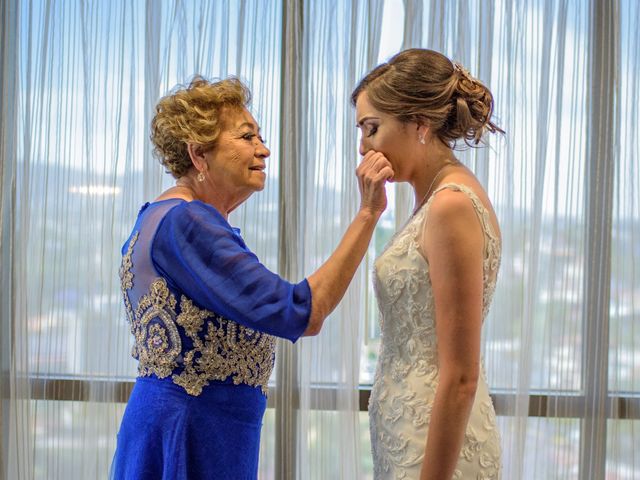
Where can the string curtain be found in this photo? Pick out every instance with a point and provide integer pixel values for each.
(79, 82)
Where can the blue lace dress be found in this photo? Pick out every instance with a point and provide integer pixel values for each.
(203, 312)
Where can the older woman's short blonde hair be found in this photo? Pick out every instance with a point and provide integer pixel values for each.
(193, 114)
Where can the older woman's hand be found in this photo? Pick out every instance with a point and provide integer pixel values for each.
(373, 173)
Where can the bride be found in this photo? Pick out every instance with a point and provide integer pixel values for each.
(431, 416)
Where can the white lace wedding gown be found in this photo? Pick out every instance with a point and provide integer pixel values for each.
(407, 372)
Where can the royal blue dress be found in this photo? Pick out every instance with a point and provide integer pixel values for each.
(204, 313)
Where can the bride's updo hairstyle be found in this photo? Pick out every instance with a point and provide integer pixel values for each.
(425, 87)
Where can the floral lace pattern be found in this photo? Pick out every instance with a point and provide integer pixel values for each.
(211, 348)
(406, 376)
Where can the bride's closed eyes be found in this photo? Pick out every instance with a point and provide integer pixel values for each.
(371, 130)
(368, 129)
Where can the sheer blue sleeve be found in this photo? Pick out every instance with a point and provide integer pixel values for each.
(198, 253)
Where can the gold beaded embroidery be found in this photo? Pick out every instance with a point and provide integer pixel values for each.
(126, 277)
(220, 348)
(228, 350)
(156, 335)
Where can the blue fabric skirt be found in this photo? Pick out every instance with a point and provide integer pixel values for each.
(169, 434)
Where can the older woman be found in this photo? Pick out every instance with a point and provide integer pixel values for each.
(203, 310)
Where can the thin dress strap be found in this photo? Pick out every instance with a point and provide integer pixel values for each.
(492, 245)
(483, 214)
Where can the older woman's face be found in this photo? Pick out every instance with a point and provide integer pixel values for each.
(237, 163)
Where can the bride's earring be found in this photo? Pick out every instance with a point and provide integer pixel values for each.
(421, 139)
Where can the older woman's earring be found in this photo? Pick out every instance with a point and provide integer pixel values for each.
(200, 177)
(421, 139)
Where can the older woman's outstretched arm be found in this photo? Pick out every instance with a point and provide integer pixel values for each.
(200, 254)
(329, 283)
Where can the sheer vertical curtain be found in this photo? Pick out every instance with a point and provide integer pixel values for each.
(561, 344)
(79, 82)
(339, 43)
(87, 77)
(562, 341)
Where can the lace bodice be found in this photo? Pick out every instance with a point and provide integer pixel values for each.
(407, 371)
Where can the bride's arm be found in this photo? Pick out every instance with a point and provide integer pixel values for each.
(453, 244)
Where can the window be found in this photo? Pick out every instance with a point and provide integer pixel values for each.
(561, 342)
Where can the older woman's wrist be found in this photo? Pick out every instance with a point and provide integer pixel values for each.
(369, 214)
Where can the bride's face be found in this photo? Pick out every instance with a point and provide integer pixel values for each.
(383, 133)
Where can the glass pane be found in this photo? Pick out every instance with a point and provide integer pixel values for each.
(74, 439)
(77, 439)
(369, 352)
(623, 456)
(536, 181)
(551, 448)
(77, 209)
(624, 332)
(327, 444)
(75, 212)
(390, 44)
(267, 466)
(366, 460)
